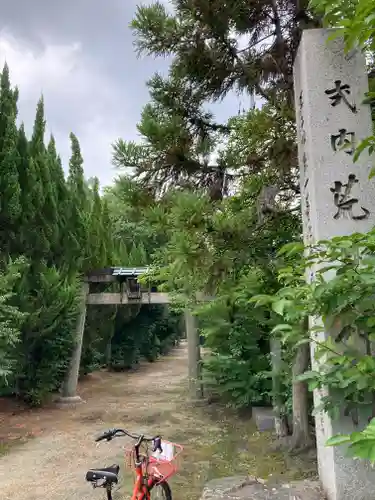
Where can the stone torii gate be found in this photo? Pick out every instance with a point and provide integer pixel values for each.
(131, 292)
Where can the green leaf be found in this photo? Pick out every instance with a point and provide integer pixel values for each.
(313, 384)
(282, 328)
(306, 340)
(307, 376)
(364, 449)
(361, 147)
(291, 249)
(261, 300)
(279, 306)
(338, 440)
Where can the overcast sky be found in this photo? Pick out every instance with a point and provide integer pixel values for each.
(79, 54)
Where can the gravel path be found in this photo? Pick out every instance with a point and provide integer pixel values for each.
(53, 464)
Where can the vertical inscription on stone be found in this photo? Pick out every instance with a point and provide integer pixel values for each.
(339, 93)
(304, 166)
(344, 141)
(344, 202)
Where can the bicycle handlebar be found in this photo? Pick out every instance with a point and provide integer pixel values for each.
(111, 433)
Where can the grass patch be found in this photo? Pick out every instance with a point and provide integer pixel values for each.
(4, 448)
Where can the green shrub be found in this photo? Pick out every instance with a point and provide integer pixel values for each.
(151, 333)
(47, 335)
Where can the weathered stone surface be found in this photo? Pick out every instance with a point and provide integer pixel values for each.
(251, 488)
(264, 418)
(337, 200)
(69, 402)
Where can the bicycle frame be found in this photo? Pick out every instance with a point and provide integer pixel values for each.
(141, 491)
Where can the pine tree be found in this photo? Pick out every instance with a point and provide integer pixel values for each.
(201, 38)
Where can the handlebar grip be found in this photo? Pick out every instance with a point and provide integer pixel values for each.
(108, 435)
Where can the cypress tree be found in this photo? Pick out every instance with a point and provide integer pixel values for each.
(107, 233)
(97, 240)
(39, 158)
(48, 218)
(59, 199)
(8, 103)
(76, 181)
(10, 208)
(78, 209)
(137, 255)
(31, 192)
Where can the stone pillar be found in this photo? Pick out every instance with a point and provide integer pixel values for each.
(331, 119)
(69, 390)
(195, 385)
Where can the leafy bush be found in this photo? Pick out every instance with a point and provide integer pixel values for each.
(152, 332)
(47, 335)
(99, 327)
(341, 293)
(236, 381)
(125, 345)
(238, 369)
(11, 320)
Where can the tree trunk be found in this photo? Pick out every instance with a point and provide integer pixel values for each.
(194, 365)
(108, 354)
(281, 423)
(108, 349)
(301, 437)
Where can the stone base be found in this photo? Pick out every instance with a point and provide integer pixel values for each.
(264, 418)
(251, 488)
(69, 401)
(198, 402)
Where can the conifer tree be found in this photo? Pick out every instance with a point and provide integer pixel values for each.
(108, 234)
(31, 193)
(76, 182)
(45, 213)
(97, 241)
(78, 209)
(10, 208)
(8, 103)
(60, 197)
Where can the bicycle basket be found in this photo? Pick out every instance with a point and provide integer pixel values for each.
(160, 465)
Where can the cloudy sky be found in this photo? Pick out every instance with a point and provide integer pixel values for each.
(79, 54)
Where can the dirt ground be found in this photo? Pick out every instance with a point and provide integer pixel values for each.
(45, 453)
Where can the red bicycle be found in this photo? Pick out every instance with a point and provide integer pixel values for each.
(151, 470)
